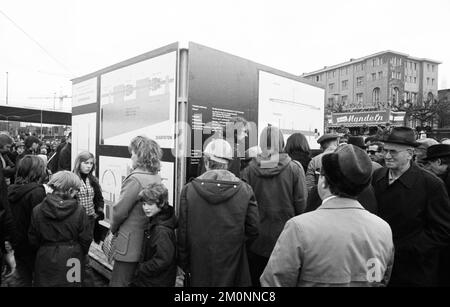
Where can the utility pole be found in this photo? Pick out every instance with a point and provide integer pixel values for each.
(6, 87)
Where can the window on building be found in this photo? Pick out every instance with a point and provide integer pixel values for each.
(413, 97)
(331, 86)
(345, 84)
(334, 73)
(415, 66)
(376, 95)
(359, 81)
(432, 81)
(344, 100)
(430, 97)
(395, 95)
(374, 76)
(359, 98)
(415, 79)
(317, 78)
(330, 101)
(380, 75)
(393, 75)
(363, 66)
(432, 68)
(428, 67)
(428, 81)
(399, 75)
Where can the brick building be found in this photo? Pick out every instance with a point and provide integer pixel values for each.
(375, 83)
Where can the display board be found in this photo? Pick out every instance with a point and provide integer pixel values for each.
(290, 105)
(84, 131)
(84, 93)
(139, 99)
(112, 172)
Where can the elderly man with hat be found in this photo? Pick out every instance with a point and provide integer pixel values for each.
(415, 204)
(340, 243)
(328, 142)
(218, 216)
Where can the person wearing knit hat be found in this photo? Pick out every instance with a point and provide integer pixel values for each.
(361, 242)
(416, 205)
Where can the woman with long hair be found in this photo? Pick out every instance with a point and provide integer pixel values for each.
(90, 194)
(297, 148)
(129, 221)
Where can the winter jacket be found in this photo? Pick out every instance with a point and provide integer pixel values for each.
(158, 266)
(218, 216)
(64, 159)
(7, 228)
(280, 190)
(339, 244)
(22, 199)
(129, 221)
(417, 208)
(61, 234)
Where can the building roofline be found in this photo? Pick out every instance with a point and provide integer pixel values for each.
(353, 61)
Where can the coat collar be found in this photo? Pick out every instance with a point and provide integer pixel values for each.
(341, 203)
(408, 178)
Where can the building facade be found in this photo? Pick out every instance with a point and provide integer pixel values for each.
(377, 83)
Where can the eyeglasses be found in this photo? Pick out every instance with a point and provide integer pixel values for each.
(372, 152)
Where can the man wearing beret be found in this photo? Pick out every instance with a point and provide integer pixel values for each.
(415, 204)
(340, 243)
(328, 143)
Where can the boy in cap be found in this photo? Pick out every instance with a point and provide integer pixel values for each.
(340, 243)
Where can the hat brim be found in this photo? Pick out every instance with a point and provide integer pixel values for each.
(399, 142)
(436, 156)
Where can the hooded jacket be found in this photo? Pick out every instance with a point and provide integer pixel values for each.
(158, 266)
(60, 233)
(218, 215)
(280, 189)
(22, 199)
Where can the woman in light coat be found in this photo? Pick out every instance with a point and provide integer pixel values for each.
(129, 221)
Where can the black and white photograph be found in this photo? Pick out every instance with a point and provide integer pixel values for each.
(224, 150)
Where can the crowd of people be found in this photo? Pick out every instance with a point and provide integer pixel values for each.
(367, 211)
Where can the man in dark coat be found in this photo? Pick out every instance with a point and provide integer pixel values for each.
(218, 216)
(280, 189)
(437, 161)
(64, 159)
(415, 204)
(9, 168)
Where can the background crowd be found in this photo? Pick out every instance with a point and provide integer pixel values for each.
(366, 211)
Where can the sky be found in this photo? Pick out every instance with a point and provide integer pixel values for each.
(46, 43)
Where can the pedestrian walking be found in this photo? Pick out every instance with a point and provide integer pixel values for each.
(415, 204)
(218, 218)
(129, 221)
(280, 190)
(361, 245)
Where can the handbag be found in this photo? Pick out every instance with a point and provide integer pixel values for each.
(108, 246)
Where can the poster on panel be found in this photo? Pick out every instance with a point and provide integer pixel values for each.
(139, 99)
(112, 172)
(84, 130)
(292, 106)
(84, 93)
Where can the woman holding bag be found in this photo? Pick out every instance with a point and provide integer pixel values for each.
(129, 221)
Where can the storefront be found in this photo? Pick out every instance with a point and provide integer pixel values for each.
(364, 123)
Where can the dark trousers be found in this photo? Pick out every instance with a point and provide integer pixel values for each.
(257, 265)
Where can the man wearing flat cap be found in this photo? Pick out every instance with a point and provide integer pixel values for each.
(415, 204)
(328, 142)
(340, 243)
